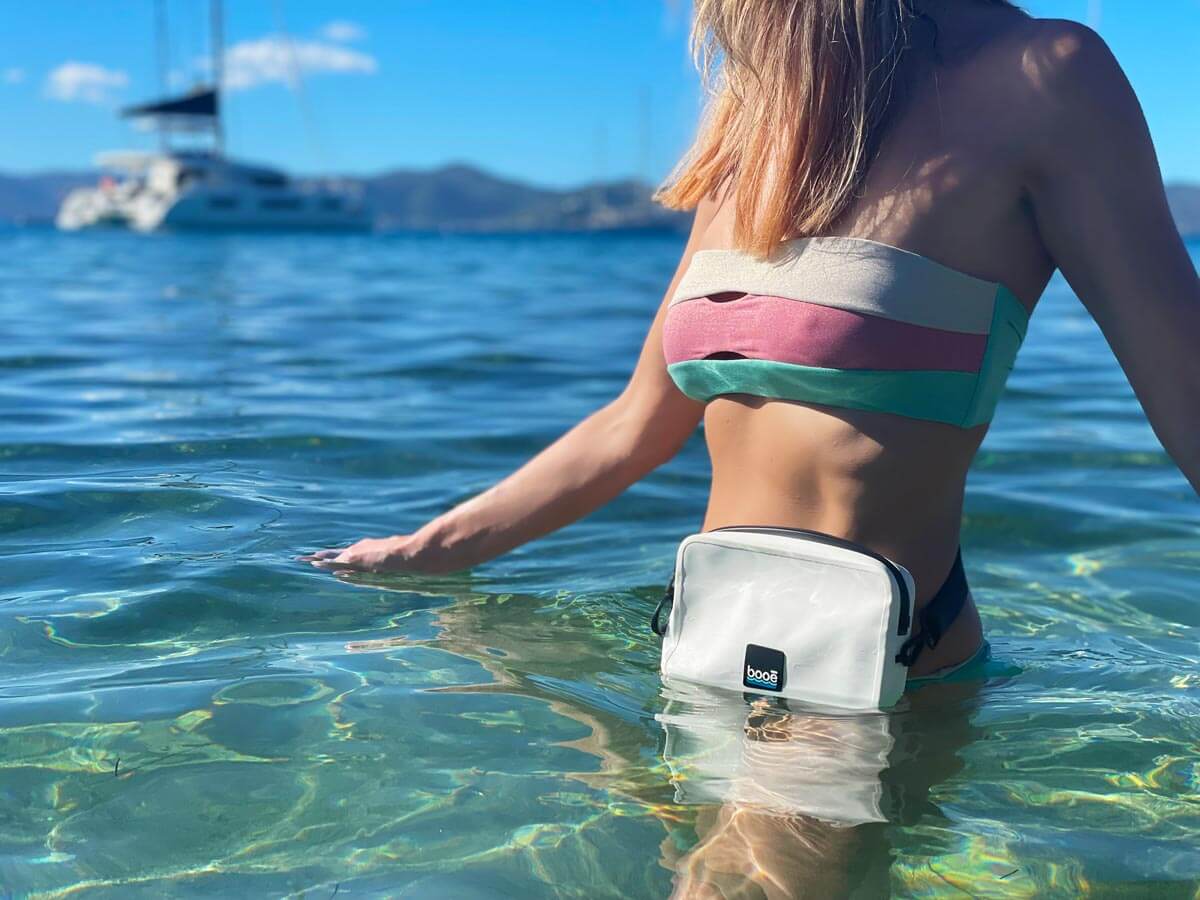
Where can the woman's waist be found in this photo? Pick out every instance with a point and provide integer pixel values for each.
(917, 528)
(924, 538)
(892, 484)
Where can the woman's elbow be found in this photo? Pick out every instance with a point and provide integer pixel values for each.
(653, 433)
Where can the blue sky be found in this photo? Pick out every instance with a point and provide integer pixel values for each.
(552, 91)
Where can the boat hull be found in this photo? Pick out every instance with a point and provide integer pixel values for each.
(208, 210)
(204, 191)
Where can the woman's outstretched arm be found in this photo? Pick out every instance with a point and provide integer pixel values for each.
(1097, 194)
(584, 469)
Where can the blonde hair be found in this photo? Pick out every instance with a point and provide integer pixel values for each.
(799, 94)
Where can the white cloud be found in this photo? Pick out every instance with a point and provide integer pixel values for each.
(12, 75)
(344, 32)
(84, 82)
(274, 58)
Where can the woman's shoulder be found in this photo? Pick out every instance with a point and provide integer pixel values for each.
(1054, 79)
(1049, 57)
(1059, 50)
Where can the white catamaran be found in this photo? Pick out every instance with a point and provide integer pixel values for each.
(203, 189)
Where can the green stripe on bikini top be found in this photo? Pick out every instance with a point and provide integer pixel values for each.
(870, 278)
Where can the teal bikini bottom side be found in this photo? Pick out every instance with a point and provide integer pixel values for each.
(970, 669)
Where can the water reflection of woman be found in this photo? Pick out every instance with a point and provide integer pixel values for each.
(800, 803)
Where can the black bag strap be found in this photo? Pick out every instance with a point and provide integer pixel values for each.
(656, 624)
(938, 615)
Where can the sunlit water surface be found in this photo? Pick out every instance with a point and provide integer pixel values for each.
(184, 708)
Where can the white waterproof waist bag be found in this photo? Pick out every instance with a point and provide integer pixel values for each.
(790, 613)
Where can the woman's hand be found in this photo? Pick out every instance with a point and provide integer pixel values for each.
(390, 554)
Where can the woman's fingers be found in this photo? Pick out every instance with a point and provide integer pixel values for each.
(324, 559)
(367, 555)
(324, 554)
(329, 563)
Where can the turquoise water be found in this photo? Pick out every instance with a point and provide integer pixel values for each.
(186, 710)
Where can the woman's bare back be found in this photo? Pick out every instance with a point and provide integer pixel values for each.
(948, 184)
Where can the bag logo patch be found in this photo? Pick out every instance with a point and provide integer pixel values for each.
(764, 668)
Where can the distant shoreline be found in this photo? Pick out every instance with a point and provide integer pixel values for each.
(462, 199)
(630, 231)
(450, 199)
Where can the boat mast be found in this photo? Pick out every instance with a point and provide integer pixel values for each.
(164, 65)
(199, 109)
(218, 63)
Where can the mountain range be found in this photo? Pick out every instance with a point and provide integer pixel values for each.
(451, 198)
(464, 198)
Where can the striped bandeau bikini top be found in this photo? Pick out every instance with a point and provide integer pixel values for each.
(844, 322)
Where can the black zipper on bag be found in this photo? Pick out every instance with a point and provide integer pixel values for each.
(821, 537)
